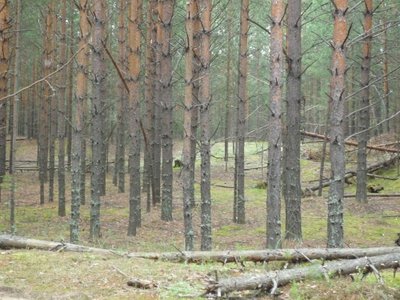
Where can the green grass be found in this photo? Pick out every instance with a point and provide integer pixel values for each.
(47, 274)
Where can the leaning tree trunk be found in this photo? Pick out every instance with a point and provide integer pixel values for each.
(204, 8)
(78, 120)
(61, 113)
(134, 38)
(166, 9)
(242, 111)
(275, 128)
(336, 135)
(291, 159)
(364, 114)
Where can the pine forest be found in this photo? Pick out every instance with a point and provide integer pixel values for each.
(251, 146)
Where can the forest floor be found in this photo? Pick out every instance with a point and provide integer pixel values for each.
(31, 274)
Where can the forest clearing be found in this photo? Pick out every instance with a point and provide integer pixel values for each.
(34, 274)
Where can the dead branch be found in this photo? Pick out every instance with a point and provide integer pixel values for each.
(283, 277)
(43, 78)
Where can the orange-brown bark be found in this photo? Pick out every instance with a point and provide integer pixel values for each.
(78, 119)
(337, 90)
(273, 236)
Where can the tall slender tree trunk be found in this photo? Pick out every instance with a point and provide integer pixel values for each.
(149, 95)
(336, 132)
(4, 68)
(156, 142)
(351, 85)
(386, 90)
(364, 114)
(228, 101)
(53, 104)
(98, 113)
(78, 119)
(70, 96)
(242, 110)
(61, 113)
(122, 102)
(197, 31)
(134, 39)
(292, 143)
(204, 9)
(3, 17)
(167, 105)
(46, 102)
(275, 128)
(187, 182)
(31, 109)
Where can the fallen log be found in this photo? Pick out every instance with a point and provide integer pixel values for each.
(369, 195)
(350, 143)
(271, 280)
(372, 168)
(17, 242)
(382, 177)
(291, 255)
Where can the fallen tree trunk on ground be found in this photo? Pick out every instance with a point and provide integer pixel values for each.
(349, 174)
(271, 280)
(350, 143)
(17, 242)
(291, 255)
(369, 195)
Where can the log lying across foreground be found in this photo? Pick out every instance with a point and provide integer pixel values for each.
(271, 280)
(291, 255)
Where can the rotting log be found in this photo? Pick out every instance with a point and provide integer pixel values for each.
(271, 280)
(350, 143)
(17, 242)
(291, 255)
